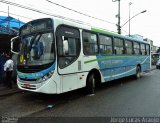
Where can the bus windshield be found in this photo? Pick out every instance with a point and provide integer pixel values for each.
(37, 49)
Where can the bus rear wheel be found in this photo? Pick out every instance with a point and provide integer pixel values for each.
(138, 72)
(90, 84)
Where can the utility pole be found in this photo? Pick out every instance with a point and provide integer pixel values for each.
(130, 3)
(119, 18)
(8, 21)
(119, 26)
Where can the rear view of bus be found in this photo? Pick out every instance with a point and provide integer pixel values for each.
(36, 60)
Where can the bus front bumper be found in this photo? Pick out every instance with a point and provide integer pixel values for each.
(48, 87)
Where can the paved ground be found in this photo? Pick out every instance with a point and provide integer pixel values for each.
(4, 91)
(123, 97)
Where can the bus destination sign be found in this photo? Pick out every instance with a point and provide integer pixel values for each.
(35, 26)
(30, 29)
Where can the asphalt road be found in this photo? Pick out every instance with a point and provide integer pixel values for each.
(123, 97)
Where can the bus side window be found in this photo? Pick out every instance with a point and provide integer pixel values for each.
(86, 46)
(90, 43)
(140, 52)
(105, 44)
(118, 46)
(128, 47)
(115, 51)
(133, 52)
(68, 41)
(145, 52)
(147, 49)
(65, 46)
(109, 51)
(136, 48)
(124, 51)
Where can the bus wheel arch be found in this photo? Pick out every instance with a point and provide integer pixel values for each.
(138, 71)
(93, 80)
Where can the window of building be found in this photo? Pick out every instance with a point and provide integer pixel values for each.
(105, 44)
(118, 46)
(90, 46)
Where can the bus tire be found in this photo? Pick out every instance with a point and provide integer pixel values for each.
(138, 72)
(90, 84)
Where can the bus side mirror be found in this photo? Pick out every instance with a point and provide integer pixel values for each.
(15, 44)
(65, 46)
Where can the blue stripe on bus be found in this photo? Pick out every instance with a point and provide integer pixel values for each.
(114, 68)
(36, 75)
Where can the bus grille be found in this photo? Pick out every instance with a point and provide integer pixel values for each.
(28, 70)
(33, 69)
(22, 79)
(31, 87)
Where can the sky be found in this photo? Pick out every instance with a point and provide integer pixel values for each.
(146, 24)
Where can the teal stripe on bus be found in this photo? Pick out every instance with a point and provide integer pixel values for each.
(111, 57)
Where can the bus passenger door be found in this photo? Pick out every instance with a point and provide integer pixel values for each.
(68, 45)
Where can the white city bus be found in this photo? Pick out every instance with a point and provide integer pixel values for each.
(59, 55)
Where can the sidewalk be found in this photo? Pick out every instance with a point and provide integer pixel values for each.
(6, 91)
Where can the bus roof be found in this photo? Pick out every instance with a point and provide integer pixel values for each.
(83, 25)
(116, 35)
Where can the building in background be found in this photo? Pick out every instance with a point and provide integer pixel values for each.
(153, 47)
(139, 37)
(9, 27)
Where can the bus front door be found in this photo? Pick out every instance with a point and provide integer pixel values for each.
(68, 44)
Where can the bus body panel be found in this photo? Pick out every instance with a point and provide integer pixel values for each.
(114, 67)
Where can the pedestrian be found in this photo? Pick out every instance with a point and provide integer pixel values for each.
(8, 69)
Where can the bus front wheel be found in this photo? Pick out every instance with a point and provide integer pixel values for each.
(90, 85)
(138, 72)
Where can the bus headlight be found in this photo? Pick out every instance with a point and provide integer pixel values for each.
(45, 77)
(39, 80)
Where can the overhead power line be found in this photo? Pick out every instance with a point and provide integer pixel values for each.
(51, 14)
(79, 12)
(38, 11)
(16, 15)
(25, 7)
